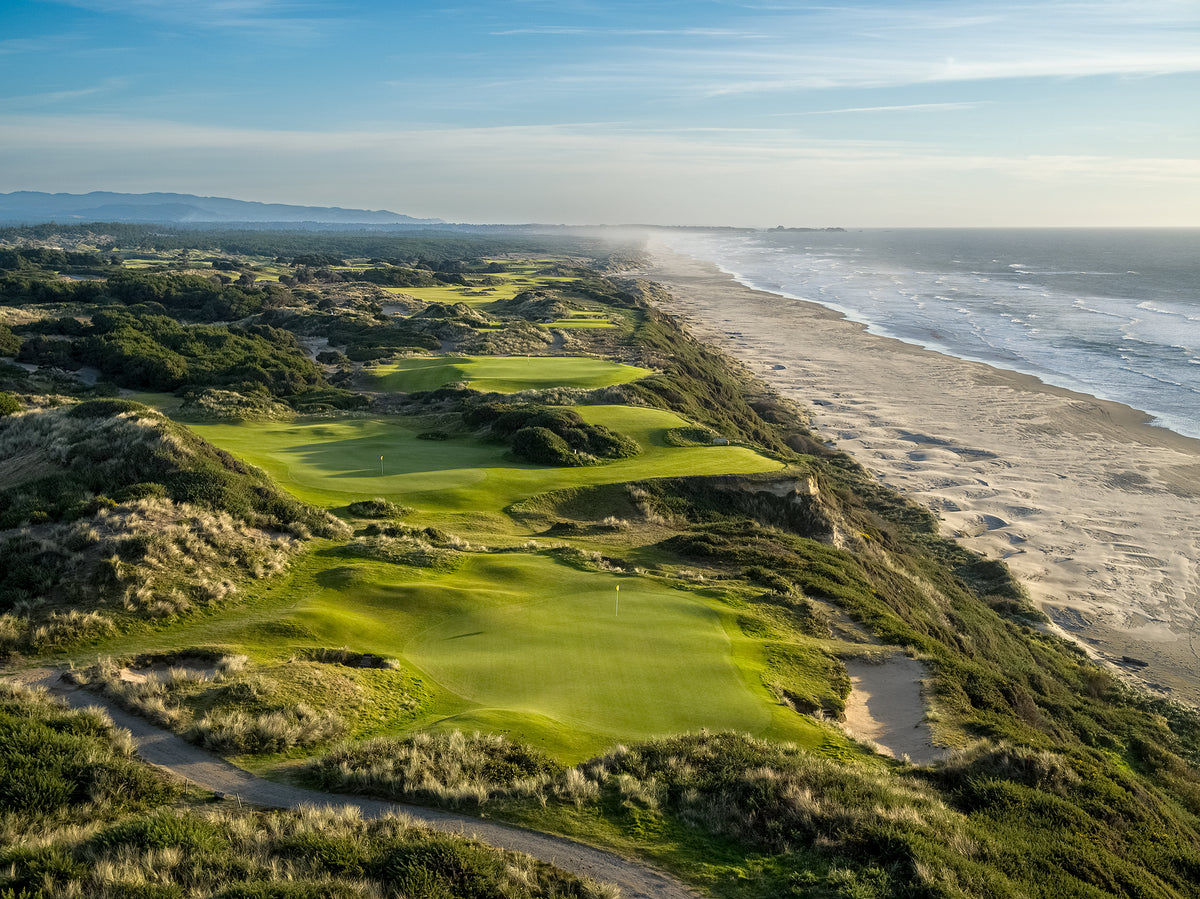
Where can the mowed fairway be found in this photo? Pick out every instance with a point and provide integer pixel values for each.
(332, 462)
(503, 374)
(517, 642)
(545, 648)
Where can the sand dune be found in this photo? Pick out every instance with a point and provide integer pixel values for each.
(1093, 508)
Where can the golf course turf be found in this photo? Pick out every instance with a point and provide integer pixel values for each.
(504, 374)
(519, 642)
(333, 462)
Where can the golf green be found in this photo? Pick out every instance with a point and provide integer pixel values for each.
(530, 637)
(332, 462)
(503, 374)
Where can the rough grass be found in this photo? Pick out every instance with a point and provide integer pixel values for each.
(241, 708)
(80, 817)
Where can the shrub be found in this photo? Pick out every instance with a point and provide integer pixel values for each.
(377, 508)
(543, 447)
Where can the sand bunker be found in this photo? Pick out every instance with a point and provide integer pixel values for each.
(885, 706)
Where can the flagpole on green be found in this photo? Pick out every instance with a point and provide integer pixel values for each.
(381, 465)
(618, 611)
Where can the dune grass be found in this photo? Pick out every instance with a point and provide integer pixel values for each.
(332, 462)
(503, 374)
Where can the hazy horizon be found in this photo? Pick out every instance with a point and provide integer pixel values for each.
(944, 113)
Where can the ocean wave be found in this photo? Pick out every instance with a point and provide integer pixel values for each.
(1063, 323)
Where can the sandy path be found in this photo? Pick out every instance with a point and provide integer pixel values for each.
(162, 748)
(885, 706)
(1091, 507)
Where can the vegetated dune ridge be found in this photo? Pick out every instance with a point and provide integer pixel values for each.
(1091, 506)
(164, 749)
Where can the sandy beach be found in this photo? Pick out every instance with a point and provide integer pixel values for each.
(1091, 506)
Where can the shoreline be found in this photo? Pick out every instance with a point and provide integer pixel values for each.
(873, 329)
(1089, 503)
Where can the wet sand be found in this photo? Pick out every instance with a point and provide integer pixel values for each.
(1094, 509)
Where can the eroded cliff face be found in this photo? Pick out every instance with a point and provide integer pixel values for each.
(793, 502)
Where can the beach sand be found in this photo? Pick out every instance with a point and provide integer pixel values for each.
(1092, 508)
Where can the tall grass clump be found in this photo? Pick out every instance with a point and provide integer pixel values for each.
(234, 731)
(306, 854)
(228, 706)
(447, 767)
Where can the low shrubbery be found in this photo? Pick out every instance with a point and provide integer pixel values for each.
(79, 816)
(59, 766)
(550, 436)
(307, 854)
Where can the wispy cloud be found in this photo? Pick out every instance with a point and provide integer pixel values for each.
(629, 32)
(275, 20)
(804, 47)
(52, 98)
(908, 107)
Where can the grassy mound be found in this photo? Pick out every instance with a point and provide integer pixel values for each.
(108, 509)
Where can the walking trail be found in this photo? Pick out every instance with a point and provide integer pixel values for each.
(166, 750)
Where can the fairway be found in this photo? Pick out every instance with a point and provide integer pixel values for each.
(332, 462)
(504, 374)
(534, 640)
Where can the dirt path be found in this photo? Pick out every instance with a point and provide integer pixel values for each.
(166, 750)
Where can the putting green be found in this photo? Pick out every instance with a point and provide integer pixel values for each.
(504, 374)
(527, 639)
(332, 462)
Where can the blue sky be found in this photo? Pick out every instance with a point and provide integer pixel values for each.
(763, 112)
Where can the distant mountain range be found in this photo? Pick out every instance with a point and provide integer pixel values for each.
(34, 207)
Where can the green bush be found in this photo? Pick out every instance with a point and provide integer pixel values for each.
(543, 447)
(59, 763)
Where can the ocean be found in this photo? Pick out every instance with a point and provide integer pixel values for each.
(1111, 313)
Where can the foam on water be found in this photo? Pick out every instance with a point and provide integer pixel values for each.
(1112, 313)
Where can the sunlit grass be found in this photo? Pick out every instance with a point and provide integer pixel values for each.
(332, 462)
(503, 374)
